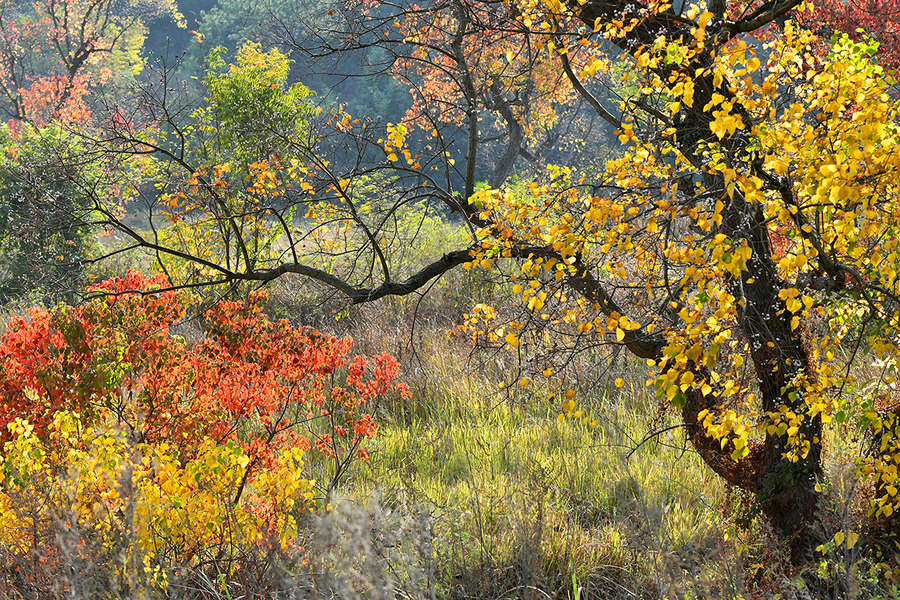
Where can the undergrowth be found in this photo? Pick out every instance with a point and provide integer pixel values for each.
(480, 488)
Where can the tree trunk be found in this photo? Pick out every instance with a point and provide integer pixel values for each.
(785, 488)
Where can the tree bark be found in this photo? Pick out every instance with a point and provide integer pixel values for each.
(785, 488)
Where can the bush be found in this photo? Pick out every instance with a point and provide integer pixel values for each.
(46, 235)
(126, 446)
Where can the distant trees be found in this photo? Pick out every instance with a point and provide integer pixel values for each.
(53, 51)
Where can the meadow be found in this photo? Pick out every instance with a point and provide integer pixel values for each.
(475, 486)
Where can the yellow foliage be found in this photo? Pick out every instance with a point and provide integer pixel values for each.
(169, 508)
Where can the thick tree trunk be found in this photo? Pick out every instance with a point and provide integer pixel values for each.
(785, 487)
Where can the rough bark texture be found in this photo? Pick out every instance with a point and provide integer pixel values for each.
(785, 489)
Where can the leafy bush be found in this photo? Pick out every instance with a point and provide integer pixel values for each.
(159, 455)
(45, 220)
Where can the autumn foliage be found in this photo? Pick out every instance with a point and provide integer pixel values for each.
(53, 52)
(738, 234)
(103, 410)
(877, 19)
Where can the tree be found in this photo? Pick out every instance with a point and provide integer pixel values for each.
(45, 232)
(742, 240)
(253, 113)
(219, 182)
(53, 52)
(491, 80)
(482, 91)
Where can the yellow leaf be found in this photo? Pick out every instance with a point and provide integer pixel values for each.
(620, 335)
(704, 19)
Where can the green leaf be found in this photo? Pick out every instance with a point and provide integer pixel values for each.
(740, 453)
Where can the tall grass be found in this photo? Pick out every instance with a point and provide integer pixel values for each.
(477, 488)
(526, 501)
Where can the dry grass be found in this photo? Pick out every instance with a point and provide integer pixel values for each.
(477, 490)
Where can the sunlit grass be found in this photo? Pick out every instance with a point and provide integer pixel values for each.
(495, 496)
(521, 497)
